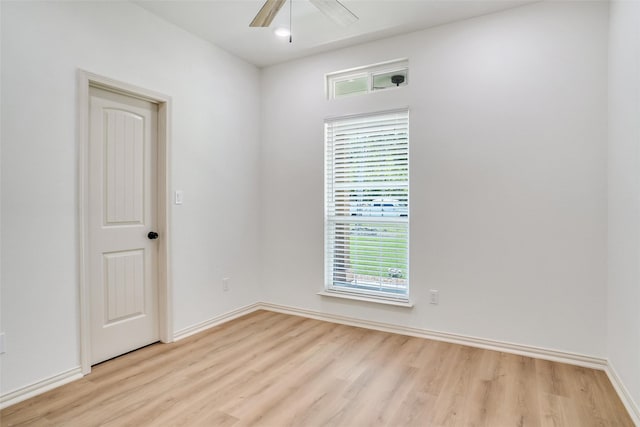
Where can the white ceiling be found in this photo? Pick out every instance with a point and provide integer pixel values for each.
(226, 23)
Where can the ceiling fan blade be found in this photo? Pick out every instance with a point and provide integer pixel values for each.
(336, 11)
(266, 14)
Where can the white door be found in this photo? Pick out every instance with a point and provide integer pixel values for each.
(122, 214)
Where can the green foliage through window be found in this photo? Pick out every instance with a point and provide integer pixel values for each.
(367, 204)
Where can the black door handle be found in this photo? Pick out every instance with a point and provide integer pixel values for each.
(152, 235)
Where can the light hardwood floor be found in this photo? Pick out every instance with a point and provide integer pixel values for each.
(270, 369)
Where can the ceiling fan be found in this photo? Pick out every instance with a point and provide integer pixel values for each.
(331, 8)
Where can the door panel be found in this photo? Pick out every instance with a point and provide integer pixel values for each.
(124, 285)
(124, 174)
(122, 211)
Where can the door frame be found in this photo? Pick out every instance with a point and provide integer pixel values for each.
(165, 295)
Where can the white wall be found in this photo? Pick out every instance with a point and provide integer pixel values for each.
(509, 178)
(214, 160)
(623, 334)
(508, 175)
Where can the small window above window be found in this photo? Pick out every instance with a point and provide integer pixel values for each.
(371, 78)
(391, 79)
(351, 85)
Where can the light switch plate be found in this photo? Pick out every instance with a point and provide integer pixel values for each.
(2, 343)
(179, 197)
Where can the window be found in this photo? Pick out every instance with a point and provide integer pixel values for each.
(367, 205)
(368, 79)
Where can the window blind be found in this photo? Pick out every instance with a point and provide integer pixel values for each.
(367, 204)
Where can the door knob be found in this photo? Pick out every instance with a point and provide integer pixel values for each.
(152, 235)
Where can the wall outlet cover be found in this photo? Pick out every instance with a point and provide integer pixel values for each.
(434, 297)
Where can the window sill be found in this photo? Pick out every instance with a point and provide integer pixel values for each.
(334, 294)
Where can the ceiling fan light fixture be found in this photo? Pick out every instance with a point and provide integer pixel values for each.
(332, 8)
(267, 13)
(282, 32)
(336, 11)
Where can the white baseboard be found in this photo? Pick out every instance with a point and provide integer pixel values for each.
(39, 387)
(506, 347)
(215, 321)
(625, 396)
(523, 350)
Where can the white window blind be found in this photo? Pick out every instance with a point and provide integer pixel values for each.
(367, 205)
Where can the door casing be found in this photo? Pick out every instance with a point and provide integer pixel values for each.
(165, 294)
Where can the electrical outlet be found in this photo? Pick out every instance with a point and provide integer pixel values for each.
(434, 297)
(225, 284)
(2, 343)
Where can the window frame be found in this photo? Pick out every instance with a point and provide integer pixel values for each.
(330, 221)
(370, 71)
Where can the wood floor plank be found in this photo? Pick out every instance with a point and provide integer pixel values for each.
(454, 398)
(270, 369)
(487, 392)
(521, 395)
(555, 411)
(550, 378)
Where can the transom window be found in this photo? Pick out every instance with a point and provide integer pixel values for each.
(367, 205)
(370, 78)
